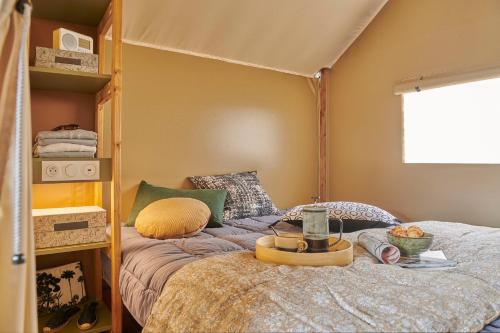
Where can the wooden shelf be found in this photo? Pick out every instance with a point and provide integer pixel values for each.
(72, 248)
(95, 18)
(105, 169)
(103, 321)
(86, 12)
(65, 80)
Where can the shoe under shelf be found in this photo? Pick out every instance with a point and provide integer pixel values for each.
(103, 321)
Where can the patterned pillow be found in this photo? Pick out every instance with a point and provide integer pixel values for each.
(356, 216)
(245, 195)
(59, 287)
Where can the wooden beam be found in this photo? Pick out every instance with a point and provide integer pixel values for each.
(105, 23)
(116, 103)
(102, 30)
(97, 273)
(101, 97)
(104, 94)
(102, 52)
(323, 151)
(99, 128)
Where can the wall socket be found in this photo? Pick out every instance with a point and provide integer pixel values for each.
(57, 171)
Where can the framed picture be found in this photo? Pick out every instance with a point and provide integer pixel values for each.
(59, 287)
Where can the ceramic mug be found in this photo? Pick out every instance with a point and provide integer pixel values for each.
(290, 242)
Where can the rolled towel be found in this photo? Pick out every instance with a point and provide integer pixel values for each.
(83, 142)
(67, 134)
(62, 148)
(384, 252)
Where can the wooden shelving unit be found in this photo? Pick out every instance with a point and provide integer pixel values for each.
(88, 12)
(97, 16)
(72, 248)
(64, 80)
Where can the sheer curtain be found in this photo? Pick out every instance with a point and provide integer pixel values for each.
(17, 282)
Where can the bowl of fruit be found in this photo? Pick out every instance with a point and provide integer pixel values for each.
(410, 241)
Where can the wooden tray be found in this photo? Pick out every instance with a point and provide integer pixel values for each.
(339, 255)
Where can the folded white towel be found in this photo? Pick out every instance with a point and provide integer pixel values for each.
(62, 147)
(67, 134)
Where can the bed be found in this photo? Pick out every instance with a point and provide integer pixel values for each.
(212, 282)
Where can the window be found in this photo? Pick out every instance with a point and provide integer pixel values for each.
(454, 124)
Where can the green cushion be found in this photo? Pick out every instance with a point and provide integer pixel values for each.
(148, 193)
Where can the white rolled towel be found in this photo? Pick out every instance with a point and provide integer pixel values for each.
(384, 252)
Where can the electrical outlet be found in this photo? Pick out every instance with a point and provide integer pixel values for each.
(79, 170)
(52, 171)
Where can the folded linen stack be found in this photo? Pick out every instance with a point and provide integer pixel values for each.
(65, 143)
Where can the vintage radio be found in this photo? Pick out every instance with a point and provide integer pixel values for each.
(75, 61)
(69, 226)
(68, 40)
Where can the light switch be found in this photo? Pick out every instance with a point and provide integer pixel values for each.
(71, 170)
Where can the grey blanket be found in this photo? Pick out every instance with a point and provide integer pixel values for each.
(147, 264)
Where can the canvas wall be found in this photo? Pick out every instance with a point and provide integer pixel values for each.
(410, 37)
(184, 115)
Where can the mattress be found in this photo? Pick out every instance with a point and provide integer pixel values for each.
(147, 264)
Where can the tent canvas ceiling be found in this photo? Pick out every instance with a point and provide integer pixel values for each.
(293, 36)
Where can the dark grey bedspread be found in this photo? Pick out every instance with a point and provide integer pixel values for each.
(147, 263)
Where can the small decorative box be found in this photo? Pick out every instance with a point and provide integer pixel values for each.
(75, 61)
(69, 226)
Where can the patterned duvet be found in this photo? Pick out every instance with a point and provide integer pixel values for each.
(342, 299)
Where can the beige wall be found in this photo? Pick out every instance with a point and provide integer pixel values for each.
(410, 37)
(185, 116)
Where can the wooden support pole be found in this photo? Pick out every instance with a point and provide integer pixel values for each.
(101, 40)
(99, 127)
(323, 151)
(116, 102)
(96, 256)
(103, 28)
(104, 94)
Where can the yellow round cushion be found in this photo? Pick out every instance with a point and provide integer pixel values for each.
(172, 218)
